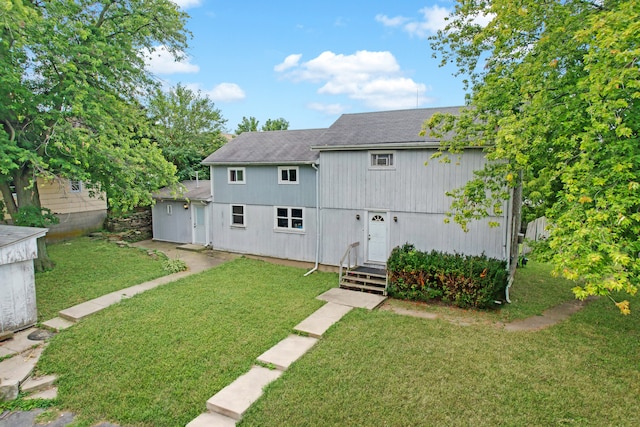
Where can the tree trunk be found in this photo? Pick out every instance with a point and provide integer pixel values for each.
(27, 195)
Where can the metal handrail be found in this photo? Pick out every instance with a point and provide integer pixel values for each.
(347, 255)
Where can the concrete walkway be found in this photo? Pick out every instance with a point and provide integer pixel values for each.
(15, 372)
(228, 406)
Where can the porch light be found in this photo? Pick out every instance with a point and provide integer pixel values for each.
(186, 205)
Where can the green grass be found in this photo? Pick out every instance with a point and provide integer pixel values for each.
(86, 269)
(534, 290)
(380, 368)
(155, 359)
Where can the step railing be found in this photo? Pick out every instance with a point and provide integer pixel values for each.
(352, 250)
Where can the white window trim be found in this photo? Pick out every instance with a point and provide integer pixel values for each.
(288, 168)
(381, 167)
(244, 216)
(288, 229)
(244, 175)
(79, 190)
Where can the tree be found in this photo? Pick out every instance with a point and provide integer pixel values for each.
(188, 128)
(275, 124)
(247, 125)
(555, 97)
(71, 76)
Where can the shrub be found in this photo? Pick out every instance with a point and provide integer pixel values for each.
(174, 265)
(462, 280)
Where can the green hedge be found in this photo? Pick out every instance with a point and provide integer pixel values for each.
(461, 280)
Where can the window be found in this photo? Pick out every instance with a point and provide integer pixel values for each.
(76, 186)
(290, 218)
(287, 175)
(381, 160)
(237, 216)
(236, 175)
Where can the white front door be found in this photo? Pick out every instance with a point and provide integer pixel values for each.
(199, 227)
(377, 237)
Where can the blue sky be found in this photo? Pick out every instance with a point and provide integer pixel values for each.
(310, 61)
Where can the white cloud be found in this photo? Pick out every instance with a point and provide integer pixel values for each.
(373, 78)
(434, 19)
(186, 4)
(225, 92)
(289, 62)
(391, 22)
(161, 61)
(328, 109)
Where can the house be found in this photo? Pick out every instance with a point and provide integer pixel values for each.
(78, 207)
(365, 183)
(183, 216)
(18, 249)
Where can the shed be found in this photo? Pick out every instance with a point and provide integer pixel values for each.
(183, 215)
(18, 249)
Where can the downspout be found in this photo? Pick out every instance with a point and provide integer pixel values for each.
(315, 267)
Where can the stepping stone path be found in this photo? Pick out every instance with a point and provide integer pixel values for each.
(229, 404)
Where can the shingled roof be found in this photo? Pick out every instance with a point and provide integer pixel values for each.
(193, 190)
(270, 147)
(399, 127)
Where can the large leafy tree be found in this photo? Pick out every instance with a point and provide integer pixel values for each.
(187, 127)
(275, 124)
(555, 101)
(71, 75)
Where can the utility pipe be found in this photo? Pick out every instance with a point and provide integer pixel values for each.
(315, 267)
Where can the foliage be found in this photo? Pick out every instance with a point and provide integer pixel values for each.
(187, 128)
(163, 353)
(251, 125)
(32, 216)
(73, 72)
(87, 269)
(174, 265)
(247, 125)
(275, 124)
(465, 281)
(555, 97)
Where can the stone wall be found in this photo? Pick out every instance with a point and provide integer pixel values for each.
(135, 223)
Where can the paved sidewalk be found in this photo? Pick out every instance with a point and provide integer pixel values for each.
(229, 404)
(15, 371)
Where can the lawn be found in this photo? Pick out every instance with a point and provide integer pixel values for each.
(155, 359)
(391, 370)
(86, 269)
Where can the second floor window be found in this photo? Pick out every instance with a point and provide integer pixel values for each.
(287, 175)
(236, 175)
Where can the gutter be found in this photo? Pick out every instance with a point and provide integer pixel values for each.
(315, 267)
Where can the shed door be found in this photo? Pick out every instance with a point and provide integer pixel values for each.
(199, 227)
(377, 238)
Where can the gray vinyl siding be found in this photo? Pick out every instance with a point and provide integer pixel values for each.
(347, 181)
(410, 191)
(259, 237)
(176, 227)
(261, 187)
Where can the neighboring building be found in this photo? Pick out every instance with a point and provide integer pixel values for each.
(18, 249)
(308, 194)
(79, 210)
(183, 215)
